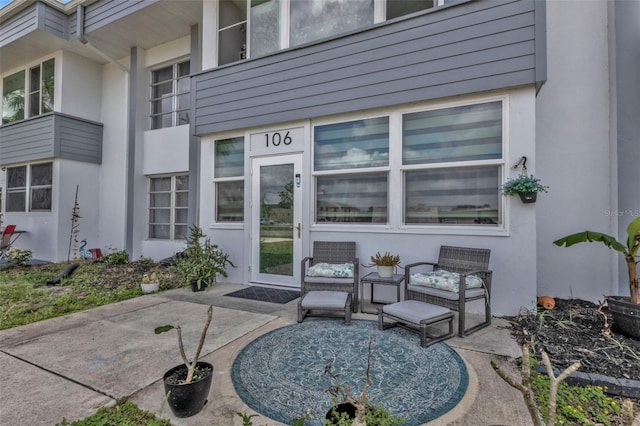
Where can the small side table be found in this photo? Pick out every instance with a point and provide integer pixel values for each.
(374, 279)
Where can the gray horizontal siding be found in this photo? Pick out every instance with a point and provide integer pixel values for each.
(51, 136)
(465, 48)
(38, 16)
(105, 12)
(18, 26)
(78, 140)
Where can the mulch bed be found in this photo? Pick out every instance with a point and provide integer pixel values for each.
(575, 330)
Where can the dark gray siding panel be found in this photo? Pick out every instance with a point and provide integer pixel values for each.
(18, 26)
(27, 141)
(51, 136)
(79, 140)
(103, 13)
(464, 48)
(37, 17)
(52, 21)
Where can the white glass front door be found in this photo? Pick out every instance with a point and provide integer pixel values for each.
(276, 220)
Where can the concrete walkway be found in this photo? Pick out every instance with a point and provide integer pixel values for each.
(70, 366)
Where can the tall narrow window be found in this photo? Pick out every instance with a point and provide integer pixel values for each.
(16, 189)
(168, 207)
(232, 31)
(13, 101)
(229, 179)
(170, 96)
(41, 186)
(265, 26)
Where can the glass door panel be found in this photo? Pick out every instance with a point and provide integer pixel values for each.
(276, 220)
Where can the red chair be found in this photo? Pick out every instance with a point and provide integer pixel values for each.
(6, 239)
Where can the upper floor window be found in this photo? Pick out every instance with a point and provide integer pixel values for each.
(37, 83)
(29, 186)
(168, 207)
(228, 179)
(170, 90)
(279, 24)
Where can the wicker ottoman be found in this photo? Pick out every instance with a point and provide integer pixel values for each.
(417, 315)
(325, 300)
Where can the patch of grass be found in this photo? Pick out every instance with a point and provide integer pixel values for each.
(124, 413)
(25, 298)
(576, 405)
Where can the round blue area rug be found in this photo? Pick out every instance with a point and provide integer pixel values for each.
(281, 374)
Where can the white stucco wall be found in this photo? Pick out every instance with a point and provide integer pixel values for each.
(84, 177)
(80, 86)
(112, 197)
(575, 152)
(513, 249)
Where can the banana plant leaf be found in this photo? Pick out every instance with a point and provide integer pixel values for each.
(590, 236)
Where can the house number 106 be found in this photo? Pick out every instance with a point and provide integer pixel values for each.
(275, 139)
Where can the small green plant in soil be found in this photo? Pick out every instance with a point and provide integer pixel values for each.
(124, 413)
(576, 405)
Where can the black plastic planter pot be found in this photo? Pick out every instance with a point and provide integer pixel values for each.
(186, 400)
(345, 407)
(626, 315)
(528, 197)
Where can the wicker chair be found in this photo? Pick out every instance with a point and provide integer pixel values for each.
(465, 261)
(332, 252)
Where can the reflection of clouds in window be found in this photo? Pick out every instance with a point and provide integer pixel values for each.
(356, 157)
(354, 144)
(472, 132)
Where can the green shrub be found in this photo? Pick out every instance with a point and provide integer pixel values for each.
(124, 413)
(116, 258)
(19, 257)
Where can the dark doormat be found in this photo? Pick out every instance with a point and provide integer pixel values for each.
(264, 294)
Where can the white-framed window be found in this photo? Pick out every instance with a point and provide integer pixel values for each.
(257, 27)
(29, 185)
(170, 95)
(452, 165)
(351, 169)
(28, 93)
(228, 179)
(447, 169)
(168, 207)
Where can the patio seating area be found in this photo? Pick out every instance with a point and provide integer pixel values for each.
(127, 359)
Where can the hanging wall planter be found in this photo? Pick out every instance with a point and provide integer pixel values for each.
(525, 186)
(528, 197)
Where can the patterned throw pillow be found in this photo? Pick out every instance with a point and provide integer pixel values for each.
(444, 280)
(329, 270)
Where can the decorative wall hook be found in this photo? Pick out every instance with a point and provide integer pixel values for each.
(522, 163)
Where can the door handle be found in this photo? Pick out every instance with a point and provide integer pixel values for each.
(299, 228)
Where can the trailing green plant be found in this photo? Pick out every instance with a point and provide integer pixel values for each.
(201, 261)
(19, 257)
(523, 184)
(191, 365)
(628, 250)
